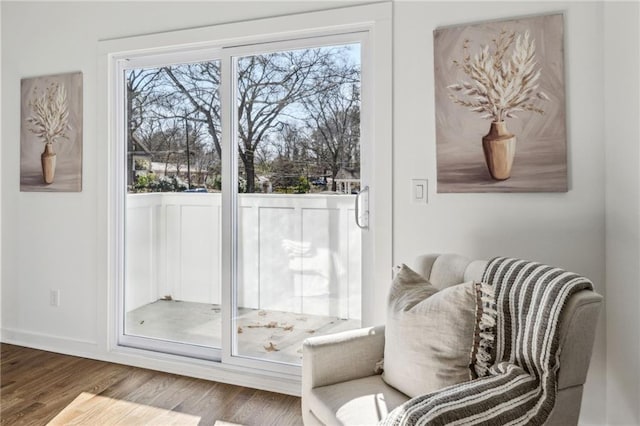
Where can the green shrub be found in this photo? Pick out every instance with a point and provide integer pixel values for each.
(303, 185)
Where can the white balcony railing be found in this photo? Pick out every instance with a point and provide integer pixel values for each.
(296, 253)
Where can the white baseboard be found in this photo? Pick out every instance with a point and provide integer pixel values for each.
(201, 369)
(50, 342)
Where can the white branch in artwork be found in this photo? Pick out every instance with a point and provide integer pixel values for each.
(500, 86)
(49, 119)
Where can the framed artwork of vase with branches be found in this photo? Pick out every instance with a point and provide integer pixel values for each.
(51, 133)
(500, 106)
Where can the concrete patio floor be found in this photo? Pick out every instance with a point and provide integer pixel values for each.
(264, 334)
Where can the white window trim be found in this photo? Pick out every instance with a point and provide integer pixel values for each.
(375, 19)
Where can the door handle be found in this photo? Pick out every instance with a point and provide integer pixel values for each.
(363, 194)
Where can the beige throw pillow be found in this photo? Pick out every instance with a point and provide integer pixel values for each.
(429, 334)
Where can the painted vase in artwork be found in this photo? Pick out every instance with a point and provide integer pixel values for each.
(48, 160)
(50, 123)
(499, 146)
(502, 81)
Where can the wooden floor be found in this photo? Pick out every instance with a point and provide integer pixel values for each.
(38, 387)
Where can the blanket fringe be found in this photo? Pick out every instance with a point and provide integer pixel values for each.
(486, 329)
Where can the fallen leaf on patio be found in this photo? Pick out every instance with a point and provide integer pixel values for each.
(271, 348)
(256, 325)
(272, 324)
(167, 297)
(287, 327)
(311, 331)
(141, 322)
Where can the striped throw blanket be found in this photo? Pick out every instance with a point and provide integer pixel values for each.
(520, 384)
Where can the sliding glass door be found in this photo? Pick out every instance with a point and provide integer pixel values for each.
(172, 279)
(298, 171)
(241, 172)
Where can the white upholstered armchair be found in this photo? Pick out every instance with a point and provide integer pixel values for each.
(342, 387)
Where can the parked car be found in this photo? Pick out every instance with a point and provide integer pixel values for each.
(321, 181)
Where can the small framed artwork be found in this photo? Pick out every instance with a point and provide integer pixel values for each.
(500, 106)
(51, 133)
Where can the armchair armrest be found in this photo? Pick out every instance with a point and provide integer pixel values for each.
(341, 357)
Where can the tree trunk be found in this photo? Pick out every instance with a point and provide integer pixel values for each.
(131, 174)
(334, 185)
(249, 170)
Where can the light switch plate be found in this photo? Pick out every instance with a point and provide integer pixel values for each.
(419, 191)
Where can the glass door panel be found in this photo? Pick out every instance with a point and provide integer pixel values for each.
(172, 284)
(298, 246)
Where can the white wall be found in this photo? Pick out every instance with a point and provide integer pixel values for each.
(622, 132)
(562, 229)
(46, 236)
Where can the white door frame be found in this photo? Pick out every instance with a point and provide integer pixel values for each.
(376, 21)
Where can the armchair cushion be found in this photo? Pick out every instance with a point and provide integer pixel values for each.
(363, 401)
(430, 334)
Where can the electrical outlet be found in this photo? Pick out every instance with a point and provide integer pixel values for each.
(54, 298)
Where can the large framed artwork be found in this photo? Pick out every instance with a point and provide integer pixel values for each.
(51, 133)
(500, 106)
